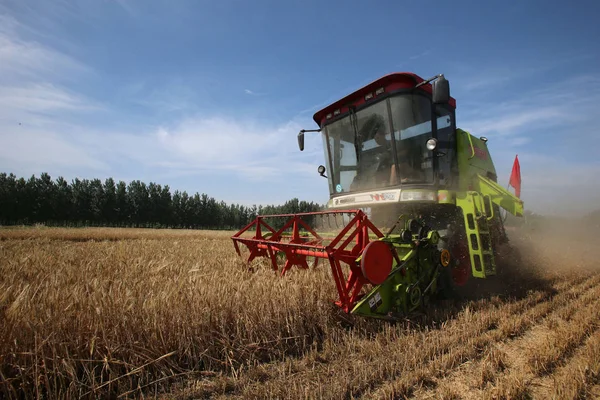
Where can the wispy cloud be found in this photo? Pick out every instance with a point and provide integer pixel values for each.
(41, 97)
(30, 60)
(420, 55)
(568, 103)
(241, 147)
(31, 150)
(35, 107)
(169, 97)
(127, 7)
(193, 146)
(31, 81)
(487, 81)
(509, 120)
(253, 93)
(478, 79)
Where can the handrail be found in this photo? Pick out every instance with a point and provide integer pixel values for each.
(491, 205)
(471, 143)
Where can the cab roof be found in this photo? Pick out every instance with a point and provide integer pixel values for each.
(390, 82)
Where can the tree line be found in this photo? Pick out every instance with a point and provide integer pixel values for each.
(91, 202)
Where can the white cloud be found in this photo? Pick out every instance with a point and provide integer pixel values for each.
(519, 141)
(240, 147)
(253, 93)
(216, 139)
(33, 151)
(567, 103)
(489, 80)
(417, 56)
(173, 97)
(30, 76)
(23, 59)
(36, 131)
(41, 97)
(507, 121)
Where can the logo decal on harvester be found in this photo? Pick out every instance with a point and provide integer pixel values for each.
(382, 196)
(375, 301)
(480, 153)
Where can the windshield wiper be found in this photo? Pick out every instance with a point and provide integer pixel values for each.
(357, 138)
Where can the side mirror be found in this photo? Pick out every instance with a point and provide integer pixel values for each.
(441, 91)
(301, 140)
(321, 171)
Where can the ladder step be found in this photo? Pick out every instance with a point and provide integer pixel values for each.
(479, 236)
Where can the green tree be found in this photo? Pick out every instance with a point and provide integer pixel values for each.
(137, 192)
(82, 201)
(8, 199)
(64, 202)
(109, 209)
(122, 209)
(97, 202)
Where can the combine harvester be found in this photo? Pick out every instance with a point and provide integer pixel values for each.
(396, 160)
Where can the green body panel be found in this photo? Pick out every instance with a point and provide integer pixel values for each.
(476, 196)
(473, 159)
(499, 196)
(409, 282)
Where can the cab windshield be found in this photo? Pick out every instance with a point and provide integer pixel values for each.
(358, 147)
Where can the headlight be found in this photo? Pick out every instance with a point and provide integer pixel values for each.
(418, 195)
(432, 144)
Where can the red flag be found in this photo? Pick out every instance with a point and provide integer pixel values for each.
(515, 177)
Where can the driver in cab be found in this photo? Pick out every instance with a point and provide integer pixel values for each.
(404, 153)
(384, 168)
(376, 162)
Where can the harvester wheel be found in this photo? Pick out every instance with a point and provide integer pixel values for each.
(414, 297)
(461, 267)
(454, 277)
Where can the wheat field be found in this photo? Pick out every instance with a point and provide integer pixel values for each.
(130, 313)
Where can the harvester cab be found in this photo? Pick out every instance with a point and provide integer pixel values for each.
(416, 197)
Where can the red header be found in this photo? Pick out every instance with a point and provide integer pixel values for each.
(390, 82)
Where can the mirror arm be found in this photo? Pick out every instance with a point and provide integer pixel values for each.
(301, 137)
(429, 80)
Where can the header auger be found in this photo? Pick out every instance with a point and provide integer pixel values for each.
(395, 160)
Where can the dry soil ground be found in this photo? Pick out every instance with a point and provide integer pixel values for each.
(131, 313)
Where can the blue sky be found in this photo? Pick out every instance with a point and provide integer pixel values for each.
(208, 96)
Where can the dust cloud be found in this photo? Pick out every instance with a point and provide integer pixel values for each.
(558, 243)
(542, 250)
